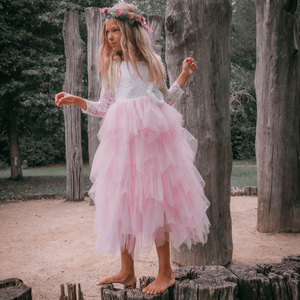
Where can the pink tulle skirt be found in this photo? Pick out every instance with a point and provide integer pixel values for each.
(145, 183)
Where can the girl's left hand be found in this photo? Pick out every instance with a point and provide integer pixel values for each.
(188, 66)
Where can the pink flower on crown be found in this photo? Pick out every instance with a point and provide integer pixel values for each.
(120, 12)
(138, 18)
(131, 15)
(104, 10)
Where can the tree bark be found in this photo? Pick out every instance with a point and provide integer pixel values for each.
(94, 26)
(277, 133)
(15, 162)
(201, 29)
(156, 24)
(72, 114)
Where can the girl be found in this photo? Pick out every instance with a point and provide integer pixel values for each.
(145, 185)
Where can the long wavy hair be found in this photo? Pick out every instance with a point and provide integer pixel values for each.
(135, 46)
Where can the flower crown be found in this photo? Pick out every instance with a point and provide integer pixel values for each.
(126, 16)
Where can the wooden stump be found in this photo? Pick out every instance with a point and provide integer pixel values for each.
(72, 114)
(204, 282)
(72, 295)
(269, 281)
(14, 289)
(279, 281)
(156, 24)
(94, 25)
(278, 113)
(201, 28)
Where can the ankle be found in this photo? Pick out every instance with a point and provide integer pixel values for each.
(127, 272)
(166, 272)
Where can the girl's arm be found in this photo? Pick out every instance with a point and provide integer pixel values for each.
(175, 91)
(98, 109)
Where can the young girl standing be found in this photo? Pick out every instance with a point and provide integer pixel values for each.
(145, 185)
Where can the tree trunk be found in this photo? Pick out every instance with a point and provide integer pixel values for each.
(72, 85)
(277, 134)
(156, 24)
(15, 162)
(94, 26)
(201, 29)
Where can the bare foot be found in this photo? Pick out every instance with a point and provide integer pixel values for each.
(126, 278)
(160, 284)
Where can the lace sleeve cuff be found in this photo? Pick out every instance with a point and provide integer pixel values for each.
(99, 108)
(173, 94)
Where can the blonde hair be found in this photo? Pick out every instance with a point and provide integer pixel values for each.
(135, 45)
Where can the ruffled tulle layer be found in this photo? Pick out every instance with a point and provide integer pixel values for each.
(144, 179)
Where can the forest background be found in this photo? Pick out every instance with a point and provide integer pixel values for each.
(32, 71)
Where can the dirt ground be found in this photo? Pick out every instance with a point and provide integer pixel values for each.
(49, 242)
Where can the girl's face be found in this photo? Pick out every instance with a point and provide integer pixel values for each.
(113, 34)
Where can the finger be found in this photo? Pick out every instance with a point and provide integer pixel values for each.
(190, 60)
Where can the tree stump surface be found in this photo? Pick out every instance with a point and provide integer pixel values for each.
(267, 281)
(14, 289)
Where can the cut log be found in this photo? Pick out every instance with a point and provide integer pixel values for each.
(251, 283)
(201, 29)
(94, 26)
(156, 24)
(72, 114)
(62, 293)
(278, 114)
(72, 292)
(262, 281)
(14, 289)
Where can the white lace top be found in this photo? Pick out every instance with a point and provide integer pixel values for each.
(131, 86)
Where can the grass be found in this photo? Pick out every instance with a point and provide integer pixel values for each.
(46, 180)
(52, 180)
(244, 176)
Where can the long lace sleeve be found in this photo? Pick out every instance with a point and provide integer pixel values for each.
(100, 107)
(172, 94)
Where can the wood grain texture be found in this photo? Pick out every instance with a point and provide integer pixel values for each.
(14, 289)
(277, 134)
(258, 281)
(93, 18)
(72, 114)
(156, 24)
(201, 29)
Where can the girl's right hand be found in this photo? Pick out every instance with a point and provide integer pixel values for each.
(63, 98)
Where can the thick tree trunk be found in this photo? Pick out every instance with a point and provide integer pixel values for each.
(277, 134)
(94, 26)
(15, 162)
(156, 24)
(72, 85)
(201, 29)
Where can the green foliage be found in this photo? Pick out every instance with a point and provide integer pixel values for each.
(243, 34)
(243, 61)
(32, 68)
(41, 151)
(243, 113)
